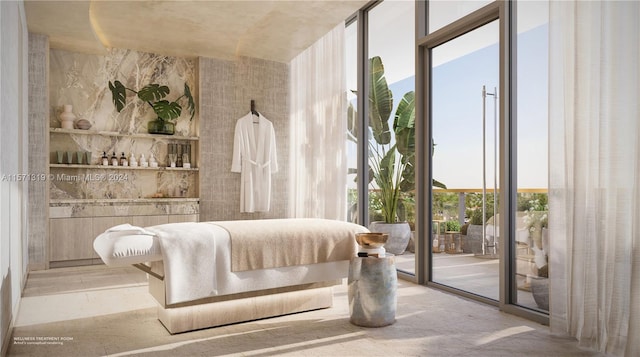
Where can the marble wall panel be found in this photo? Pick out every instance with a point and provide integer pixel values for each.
(184, 209)
(104, 208)
(82, 81)
(176, 183)
(73, 183)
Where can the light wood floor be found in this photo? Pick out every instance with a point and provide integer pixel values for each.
(100, 311)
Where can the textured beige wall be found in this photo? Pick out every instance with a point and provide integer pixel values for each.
(38, 151)
(226, 89)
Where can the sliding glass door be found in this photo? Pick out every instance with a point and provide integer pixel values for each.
(464, 117)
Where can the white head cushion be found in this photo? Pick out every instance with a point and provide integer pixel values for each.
(118, 247)
(127, 228)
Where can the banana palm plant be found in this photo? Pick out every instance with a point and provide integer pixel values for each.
(391, 164)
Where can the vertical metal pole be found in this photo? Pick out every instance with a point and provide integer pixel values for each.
(495, 168)
(484, 167)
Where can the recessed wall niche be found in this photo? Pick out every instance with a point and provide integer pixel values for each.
(81, 80)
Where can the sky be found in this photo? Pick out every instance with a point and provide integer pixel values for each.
(462, 67)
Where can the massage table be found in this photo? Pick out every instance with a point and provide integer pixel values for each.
(209, 274)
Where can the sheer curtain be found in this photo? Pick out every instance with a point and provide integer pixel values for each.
(318, 130)
(595, 173)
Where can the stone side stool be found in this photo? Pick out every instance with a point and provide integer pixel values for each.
(372, 285)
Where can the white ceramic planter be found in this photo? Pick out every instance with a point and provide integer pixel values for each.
(399, 235)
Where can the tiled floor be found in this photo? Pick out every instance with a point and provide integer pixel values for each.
(99, 311)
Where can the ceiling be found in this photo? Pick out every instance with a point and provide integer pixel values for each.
(268, 29)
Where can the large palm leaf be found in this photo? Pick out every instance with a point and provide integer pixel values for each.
(404, 124)
(380, 102)
(392, 174)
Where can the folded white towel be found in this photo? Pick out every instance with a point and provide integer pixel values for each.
(126, 244)
(129, 229)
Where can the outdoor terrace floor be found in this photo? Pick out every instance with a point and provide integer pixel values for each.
(467, 272)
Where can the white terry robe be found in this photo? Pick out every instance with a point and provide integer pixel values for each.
(254, 157)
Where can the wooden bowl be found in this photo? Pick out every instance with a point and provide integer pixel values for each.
(371, 240)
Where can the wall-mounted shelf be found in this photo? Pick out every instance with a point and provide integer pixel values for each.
(78, 166)
(117, 134)
(116, 201)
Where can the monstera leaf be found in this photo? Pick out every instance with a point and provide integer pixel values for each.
(153, 92)
(118, 94)
(191, 104)
(167, 110)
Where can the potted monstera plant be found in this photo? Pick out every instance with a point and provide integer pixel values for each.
(154, 95)
(391, 162)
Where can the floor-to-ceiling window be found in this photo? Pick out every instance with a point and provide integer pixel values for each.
(391, 117)
(480, 141)
(531, 239)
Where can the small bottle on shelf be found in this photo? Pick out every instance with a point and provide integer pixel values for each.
(179, 157)
(105, 159)
(171, 155)
(114, 159)
(143, 161)
(186, 157)
(152, 161)
(123, 160)
(132, 160)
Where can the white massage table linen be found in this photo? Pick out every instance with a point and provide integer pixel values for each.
(195, 259)
(189, 276)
